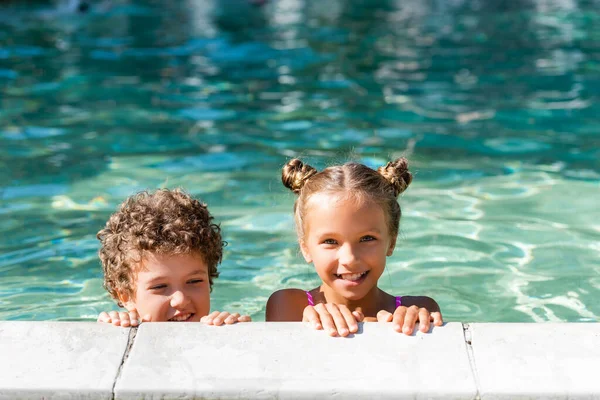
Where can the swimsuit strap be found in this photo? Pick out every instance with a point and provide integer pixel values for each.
(398, 301)
(309, 297)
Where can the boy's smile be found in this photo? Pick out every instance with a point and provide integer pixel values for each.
(171, 288)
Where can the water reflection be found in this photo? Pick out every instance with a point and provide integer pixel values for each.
(495, 102)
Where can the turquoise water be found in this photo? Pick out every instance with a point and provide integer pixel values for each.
(496, 106)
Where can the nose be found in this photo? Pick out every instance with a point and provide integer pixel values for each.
(347, 255)
(179, 299)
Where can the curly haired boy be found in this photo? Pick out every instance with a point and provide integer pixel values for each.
(159, 254)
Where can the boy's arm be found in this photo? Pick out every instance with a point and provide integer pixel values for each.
(124, 319)
(223, 317)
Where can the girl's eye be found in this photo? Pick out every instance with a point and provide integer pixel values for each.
(194, 281)
(158, 287)
(329, 241)
(367, 238)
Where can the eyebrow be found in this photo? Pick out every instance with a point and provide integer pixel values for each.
(198, 271)
(367, 231)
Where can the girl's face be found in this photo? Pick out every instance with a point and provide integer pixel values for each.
(171, 288)
(347, 241)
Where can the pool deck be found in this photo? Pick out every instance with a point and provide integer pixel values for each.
(288, 360)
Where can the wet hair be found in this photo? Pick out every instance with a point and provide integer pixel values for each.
(163, 222)
(351, 180)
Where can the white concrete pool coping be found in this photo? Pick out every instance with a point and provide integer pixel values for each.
(56, 360)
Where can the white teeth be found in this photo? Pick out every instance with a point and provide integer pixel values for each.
(351, 277)
(181, 317)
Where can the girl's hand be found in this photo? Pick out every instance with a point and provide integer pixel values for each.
(405, 318)
(124, 319)
(333, 318)
(223, 317)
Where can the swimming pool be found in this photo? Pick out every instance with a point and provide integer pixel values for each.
(496, 107)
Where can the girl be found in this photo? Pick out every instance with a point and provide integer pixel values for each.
(347, 220)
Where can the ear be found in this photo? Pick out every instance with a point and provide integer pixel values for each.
(391, 248)
(305, 252)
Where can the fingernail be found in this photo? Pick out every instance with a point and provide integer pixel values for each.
(397, 327)
(344, 332)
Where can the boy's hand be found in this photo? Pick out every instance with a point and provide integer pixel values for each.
(405, 318)
(223, 317)
(333, 318)
(124, 319)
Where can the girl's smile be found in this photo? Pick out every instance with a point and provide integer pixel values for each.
(353, 278)
(347, 241)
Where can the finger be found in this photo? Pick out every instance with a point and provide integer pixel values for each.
(244, 318)
(232, 318)
(358, 314)
(124, 317)
(384, 316)
(326, 319)
(424, 320)
(104, 317)
(341, 327)
(398, 319)
(311, 316)
(114, 317)
(412, 314)
(437, 318)
(350, 319)
(146, 318)
(133, 318)
(208, 319)
(220, 319)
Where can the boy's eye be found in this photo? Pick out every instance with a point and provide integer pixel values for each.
(367, 238)
(194, 281)
(158, 287)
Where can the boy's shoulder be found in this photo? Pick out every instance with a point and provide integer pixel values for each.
(286, 305)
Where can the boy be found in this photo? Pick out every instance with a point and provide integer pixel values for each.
(159, 254)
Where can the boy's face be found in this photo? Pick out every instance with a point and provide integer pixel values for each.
(171, 288)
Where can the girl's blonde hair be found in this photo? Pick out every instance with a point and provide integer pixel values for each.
(353, 180)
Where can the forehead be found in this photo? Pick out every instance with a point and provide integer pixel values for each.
(342, 201)
(171, 263)
(332, 210)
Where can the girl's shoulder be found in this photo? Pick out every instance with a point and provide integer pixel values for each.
(421, 302)
(286, 305)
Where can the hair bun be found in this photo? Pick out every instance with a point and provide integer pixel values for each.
(397, 174)
(295, 173)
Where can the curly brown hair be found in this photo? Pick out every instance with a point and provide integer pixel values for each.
(381, 186)
(166, 222)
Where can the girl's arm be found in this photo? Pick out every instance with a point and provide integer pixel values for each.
(414, 308)
(291, 305)
(286, 305)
